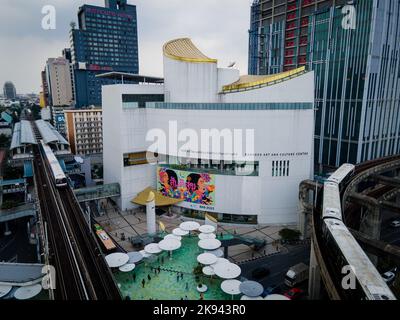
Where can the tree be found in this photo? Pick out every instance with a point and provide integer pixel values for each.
(289, 235)
(4, 141)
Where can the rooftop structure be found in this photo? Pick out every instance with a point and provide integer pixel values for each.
(121, 77)
(51, 136)
(184, 50)
(22, 142)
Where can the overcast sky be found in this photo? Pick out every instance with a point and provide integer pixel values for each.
(218, 27)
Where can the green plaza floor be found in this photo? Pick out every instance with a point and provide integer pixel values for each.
(164, 285)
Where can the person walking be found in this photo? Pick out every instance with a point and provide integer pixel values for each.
(148, 277)
(143, 283)
(187, 286)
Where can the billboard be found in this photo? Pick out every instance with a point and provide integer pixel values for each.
(191, 187)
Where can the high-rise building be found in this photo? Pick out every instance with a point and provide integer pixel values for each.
(357, 75)
(9, 91)
(45, 89)
(84, 131)
(105, 41)
(58, 73)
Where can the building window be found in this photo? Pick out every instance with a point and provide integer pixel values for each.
(280, 168)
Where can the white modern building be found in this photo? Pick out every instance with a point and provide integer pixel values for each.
(255, 184)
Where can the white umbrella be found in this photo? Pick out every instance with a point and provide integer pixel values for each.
(28, 292)
(206, 228)
(172, 236)
(206, 259)
(208, 271)
(203, 236)
(117, 259)
(227, 270)
(209, 244)
(219, 253)
(221, 260)
(127, 267)
(251, 288)
(169, 245)
(231, 287)
(5, 290)
(276, 297)
(189, 225)
(135, 257)
(145, 254)
(250, 298)
(152, 248)
(180, 232)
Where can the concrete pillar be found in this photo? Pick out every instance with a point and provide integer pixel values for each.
(151, 213)
(371, 227)
(314, 281)
(371, 223)
(305, 211)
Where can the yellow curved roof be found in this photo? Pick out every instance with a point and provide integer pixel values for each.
(183, 49)
(250, 81)
(149, 194)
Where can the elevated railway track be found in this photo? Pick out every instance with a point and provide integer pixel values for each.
(81, 270)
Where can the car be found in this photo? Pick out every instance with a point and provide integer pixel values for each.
(260, 273)
(389, 276)
(294, 293)
(274, 289)
(395, 224)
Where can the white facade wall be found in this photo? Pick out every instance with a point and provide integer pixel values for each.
(190, 82)
(280, 135)
(124, 131)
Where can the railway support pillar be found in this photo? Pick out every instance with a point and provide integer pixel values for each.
(314, 280)
(306, 207)
(371, 226)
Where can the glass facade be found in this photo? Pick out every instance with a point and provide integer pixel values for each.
(356, 74)
(105, 41)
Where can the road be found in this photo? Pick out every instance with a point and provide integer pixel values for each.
(389, 234)
(278, 265)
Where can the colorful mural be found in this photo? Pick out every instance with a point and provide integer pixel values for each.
(191, 187)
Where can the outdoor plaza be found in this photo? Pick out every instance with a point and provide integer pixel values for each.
(187, 264)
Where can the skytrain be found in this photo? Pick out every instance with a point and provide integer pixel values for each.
(58, 175)
(345, 253)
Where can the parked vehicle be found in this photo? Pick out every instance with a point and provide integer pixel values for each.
(260, 273)
(296, 275)
(389, 276)
(395, 224)
(274, 289)
(294, 293)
